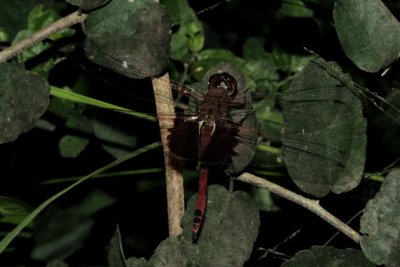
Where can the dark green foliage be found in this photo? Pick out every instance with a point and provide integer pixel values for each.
(380, 223)
(368, 33)
(143, 41)
(311, 129)
(323, 152)
(24, 97)
(328, 257)
(227, 236)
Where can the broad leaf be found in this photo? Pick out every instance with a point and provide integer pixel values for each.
(229, 230)
(24, 97)
(324, 141)
(129, 37)
(368, 32)
(328, 257)
(381, 223)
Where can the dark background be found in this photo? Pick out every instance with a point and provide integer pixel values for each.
(141, 213)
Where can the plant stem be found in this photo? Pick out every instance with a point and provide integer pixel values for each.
(38, 36)
(310, 204)
(174, 178)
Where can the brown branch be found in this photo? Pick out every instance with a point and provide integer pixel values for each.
(174, 179)
(44, 33)
(310, 204)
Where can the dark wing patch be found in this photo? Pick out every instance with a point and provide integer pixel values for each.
(183, 139)
(220, 148)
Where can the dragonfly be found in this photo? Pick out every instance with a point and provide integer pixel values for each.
(216, 129)
(224, 126)
(219, 126)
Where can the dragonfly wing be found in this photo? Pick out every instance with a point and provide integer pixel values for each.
(183, 139)
(221, 145)
(245, 149)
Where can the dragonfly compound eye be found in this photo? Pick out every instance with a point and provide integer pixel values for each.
(225, 81)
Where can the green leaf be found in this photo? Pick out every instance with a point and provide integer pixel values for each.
(124, 141)
(13, 210)
(264, 200)
(94, 202)
(43, 69)
(267, 158)
(221, 54)
(179, 46)
(381, 223)
(229, 230)
(24, 97)
(263, 70)
(3, 35)
(208, 59)
(78, 98)
(136, 262)
(16, 14)
(79, 122)
(30, 52)
(295, 9)
(39, 18)
(324, 142)
(107, 175)
(70, 146)
(328, 257)
(195, 35)
(253, 49)
(290, 63)
(179, 11)
(368, 32)
(116, 256)
(189, 39)
(129, 37)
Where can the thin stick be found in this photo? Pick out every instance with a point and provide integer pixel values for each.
(174, 179)
(60, 24)
(310, 204)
